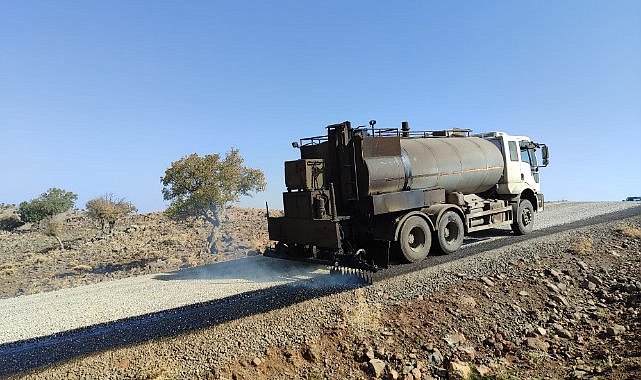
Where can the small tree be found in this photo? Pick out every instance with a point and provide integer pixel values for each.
(50, 203)
(106, 210)
(10, 222)
(206, 186)
(52, 227)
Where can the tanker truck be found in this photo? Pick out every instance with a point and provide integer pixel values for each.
(358, 196)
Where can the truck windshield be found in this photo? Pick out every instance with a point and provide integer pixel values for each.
(528, 155)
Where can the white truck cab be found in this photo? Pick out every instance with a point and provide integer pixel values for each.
(521, 166)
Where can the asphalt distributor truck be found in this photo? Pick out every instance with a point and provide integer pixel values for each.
(358, 195)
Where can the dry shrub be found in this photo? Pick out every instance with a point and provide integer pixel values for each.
(106, 210)
(629, 230)
(582, 246)
(52, 227)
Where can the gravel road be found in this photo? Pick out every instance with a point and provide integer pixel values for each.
(45, 314)
(558, 213)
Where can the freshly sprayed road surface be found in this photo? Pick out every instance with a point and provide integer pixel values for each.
(42, 315)
(37, 315)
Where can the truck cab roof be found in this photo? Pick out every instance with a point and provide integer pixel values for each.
(486, 135)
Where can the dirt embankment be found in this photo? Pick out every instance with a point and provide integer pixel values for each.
(31, 262)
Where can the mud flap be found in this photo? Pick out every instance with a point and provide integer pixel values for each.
(540, 200)
(381, 251)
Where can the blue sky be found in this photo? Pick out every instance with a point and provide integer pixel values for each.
(100, 97)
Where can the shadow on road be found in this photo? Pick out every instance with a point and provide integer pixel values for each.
(26, 355)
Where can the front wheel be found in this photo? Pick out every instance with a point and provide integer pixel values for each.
(524, 218)
(415, 239)
(450, 232)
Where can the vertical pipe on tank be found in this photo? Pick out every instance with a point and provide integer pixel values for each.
(332, 201)
(405, 127)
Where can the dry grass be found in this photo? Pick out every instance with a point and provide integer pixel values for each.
(75, 265)
(582, 246)
(82, 268)
(157, 373)
(174, 261)
(7, 269)
(361, 317)
(39, 259)
(629, 230)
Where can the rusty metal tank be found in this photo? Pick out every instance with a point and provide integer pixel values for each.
(463, 164)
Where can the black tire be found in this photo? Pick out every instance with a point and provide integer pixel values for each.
(415, 239)
(450, 232)
(524, 218)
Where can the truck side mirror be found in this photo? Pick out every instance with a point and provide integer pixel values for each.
(546, 155)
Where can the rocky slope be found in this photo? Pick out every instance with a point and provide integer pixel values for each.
(562, 306)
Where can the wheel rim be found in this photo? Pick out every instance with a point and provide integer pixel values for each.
(416, 239)
(526, 217)
(451, 231)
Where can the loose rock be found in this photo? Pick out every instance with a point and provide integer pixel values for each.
(459, 370)
(377, 367)
(487, 281)
(454, 339)
(615, 330)
(537, 344)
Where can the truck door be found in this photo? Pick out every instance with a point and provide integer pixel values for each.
(514, 167)
(529, 165)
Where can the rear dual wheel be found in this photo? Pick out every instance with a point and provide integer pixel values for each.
(415, 239)
(450, 232)
(416, 236)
